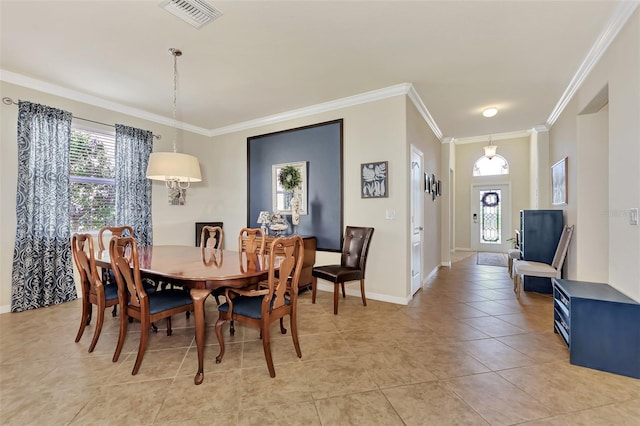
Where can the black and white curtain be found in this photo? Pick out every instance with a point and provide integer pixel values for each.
(42, 272)
(133, 189)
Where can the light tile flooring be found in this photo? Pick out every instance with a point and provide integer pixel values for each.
(465, 351)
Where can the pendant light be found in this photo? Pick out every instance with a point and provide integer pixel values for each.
(490, 150)
(177, 170)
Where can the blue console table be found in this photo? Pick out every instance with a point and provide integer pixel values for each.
(600, 325)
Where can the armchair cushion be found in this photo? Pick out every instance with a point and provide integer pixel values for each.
(111, 292)
(167, 299)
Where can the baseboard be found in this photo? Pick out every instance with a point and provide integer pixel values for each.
(463, 249)
(5, 309)
(369, 295)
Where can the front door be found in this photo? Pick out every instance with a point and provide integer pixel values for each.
(490, 217)
(417, 219)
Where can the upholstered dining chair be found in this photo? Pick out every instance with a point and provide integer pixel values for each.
(118, 231)
(522, 268)
(135, 302)
(94, 290)
(272, 300)
(353, 262)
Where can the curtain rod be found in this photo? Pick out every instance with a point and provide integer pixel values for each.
(8, 101)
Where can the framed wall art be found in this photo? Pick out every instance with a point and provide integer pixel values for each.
(559, 183)
(427, 183)
(374, 181)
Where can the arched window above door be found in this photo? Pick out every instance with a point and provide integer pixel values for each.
(490, 167)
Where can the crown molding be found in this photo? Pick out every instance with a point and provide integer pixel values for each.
(52, 89)
(422, 109)
(494, 137)
(362, 98)
(618, 19)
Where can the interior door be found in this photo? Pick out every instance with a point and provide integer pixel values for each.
(417, 218)
(490, 217)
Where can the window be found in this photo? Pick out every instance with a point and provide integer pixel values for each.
(93, 185)
(491, 167)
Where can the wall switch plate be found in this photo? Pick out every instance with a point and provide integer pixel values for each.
(633, 216)
(390, 214)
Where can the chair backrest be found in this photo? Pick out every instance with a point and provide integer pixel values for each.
(285, 260)
(355, 247)
(116, 231)
(211, 237)
(252, 242)
(83, 255)
(563, 247)
(123, 251)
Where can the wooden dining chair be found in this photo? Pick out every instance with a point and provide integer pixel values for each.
(522, 268)
(274, 299)
(353, 262)
(94, 290)
(252, 240)
(211, 237)
(134, 300)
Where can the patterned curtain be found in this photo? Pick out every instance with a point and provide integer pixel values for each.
(133, 189)
(42, 265)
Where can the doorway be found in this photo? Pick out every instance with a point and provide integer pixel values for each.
(491, 217)
(417, 218)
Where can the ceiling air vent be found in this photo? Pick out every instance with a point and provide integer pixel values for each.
(194, 12)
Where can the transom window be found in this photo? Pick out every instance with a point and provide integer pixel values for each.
(490, 167)
(92, 178)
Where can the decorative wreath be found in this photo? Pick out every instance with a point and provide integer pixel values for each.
(490, 199)
(290, 178)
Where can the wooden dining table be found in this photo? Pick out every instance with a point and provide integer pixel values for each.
(200, 269)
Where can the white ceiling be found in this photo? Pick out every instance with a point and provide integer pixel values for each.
(265, 58)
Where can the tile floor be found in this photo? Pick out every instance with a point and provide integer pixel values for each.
(465, 351)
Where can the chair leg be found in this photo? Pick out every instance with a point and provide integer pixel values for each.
(294, 333)
(124, 322)
(344, 293)
(219, 325)
(282, 329)
(336, 295)
(84, 320)
(144, 336)
(364, 299)
(114, 311)
(99, 323)
(314, 288)
(169, 331)
(266, 345)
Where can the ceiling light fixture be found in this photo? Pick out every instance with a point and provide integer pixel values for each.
(489, 112)
(176, 169)
(490, 150)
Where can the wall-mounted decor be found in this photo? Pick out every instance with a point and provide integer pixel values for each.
(319, 148)
(373, 180)
(427, 183)
(280, 196)
(559, 182)
(439, 188)
(434, 187)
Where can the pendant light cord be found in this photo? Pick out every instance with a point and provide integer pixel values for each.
(175, 53)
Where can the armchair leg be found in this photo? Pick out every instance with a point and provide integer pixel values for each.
(314, 288)
(364, 299)
(266, 345)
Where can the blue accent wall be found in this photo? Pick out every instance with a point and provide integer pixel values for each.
(320, 145)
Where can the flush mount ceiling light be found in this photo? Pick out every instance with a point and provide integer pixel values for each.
(490, 150)
(196, 13)
(489, 112)
(176, 169)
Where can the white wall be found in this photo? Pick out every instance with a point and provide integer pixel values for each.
(619, 69)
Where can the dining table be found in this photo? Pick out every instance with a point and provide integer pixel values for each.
(202, 270)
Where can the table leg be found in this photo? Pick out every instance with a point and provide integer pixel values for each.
(199, 296)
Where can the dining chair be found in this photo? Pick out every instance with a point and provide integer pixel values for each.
(94, 290)
(353, 262)
(211, 237)
(252, 241)
(134, 300)
(272, 300)
(522, 268)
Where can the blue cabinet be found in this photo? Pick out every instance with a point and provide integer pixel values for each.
(540, 232)
(600, 325)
